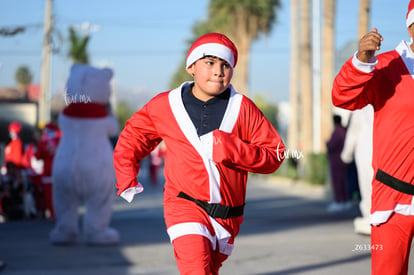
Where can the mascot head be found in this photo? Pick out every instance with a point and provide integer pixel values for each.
(87, 84)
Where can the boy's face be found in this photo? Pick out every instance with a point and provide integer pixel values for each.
(212, 76)
(411, 31)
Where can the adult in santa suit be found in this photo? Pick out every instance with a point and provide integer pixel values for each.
(386, 81)
(83, 168)
(214, 137)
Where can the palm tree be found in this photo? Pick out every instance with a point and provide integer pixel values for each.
(78, 44)
(364, 17)
(306, 136)
(243, 21)
(181, 74)
(328, 65)
(23, 78)
(293, 137)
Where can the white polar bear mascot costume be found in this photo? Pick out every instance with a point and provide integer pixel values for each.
(358, 146)
(83, 168)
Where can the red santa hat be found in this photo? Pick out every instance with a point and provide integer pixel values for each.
(15, 127)
(410, 13)
(213, 44)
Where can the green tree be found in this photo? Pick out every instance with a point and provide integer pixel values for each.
(78, 45)
(23, 78)
(242, 21)
(269, 110)
(123, 113)
(181, 74)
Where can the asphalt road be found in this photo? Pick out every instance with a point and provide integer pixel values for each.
(286, 231)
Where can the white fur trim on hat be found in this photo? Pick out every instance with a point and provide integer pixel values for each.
(213, 49)
(410, 18)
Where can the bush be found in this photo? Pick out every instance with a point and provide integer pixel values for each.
(316, 168)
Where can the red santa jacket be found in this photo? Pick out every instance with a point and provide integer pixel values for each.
(211, 168)
(390, 90)
(46, 150)
(13, 152)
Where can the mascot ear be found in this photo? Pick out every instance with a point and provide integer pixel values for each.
(88, 84)
(75, 80)
(96, 84)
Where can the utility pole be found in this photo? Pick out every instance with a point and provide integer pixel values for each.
(328, 70)
(293, 135)
(306, 127)
(45, 78)
(364, 17)
(316, 78)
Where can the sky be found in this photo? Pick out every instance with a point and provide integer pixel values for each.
(145, 41)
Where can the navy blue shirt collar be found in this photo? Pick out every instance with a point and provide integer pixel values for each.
(206, 116)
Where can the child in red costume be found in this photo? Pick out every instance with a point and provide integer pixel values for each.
(214, 137)
(386, 82)
(46, 151)
(13, 152)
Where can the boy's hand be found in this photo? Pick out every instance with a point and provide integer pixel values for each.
(224, 146)
(368, 44)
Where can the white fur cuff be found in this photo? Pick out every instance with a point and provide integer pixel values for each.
(364, 67)
(129, 193)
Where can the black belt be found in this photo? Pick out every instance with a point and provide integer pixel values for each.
(394, 183)
(216, 210)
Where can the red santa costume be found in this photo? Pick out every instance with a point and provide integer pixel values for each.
(46, 150)
(205, 173)
(388, 85)
(156, 158)
(13, 152)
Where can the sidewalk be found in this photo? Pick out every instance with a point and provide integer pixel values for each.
(286, 231)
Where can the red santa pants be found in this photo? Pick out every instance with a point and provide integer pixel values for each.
(391, 243)
(195, 256)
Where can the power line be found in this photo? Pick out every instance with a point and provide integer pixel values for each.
(136, 52)
(11, 31)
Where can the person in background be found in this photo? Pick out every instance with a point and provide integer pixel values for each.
(33, 169)
(12, 193)
(13, 151)
(156, 159)
(337, 168)
(386, 82)
(46, 151)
